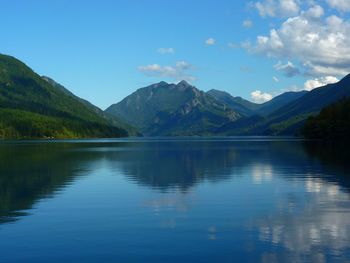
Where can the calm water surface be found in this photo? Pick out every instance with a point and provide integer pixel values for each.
(159, 200)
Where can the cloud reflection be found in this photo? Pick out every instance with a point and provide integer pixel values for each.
(321, 223)
(262, 173)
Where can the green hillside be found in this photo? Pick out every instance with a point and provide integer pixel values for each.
(112, 120)
(31, 107)
(333, 123)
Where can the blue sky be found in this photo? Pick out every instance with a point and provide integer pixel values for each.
(104, 50)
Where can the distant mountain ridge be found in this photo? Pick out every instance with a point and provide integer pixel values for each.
(248, 108)
(162, 109)
(290, 118)
(173, 109)
(244, 107)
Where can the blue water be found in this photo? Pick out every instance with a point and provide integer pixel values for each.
(182, 200)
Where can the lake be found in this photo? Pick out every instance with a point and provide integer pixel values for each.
(253, 199)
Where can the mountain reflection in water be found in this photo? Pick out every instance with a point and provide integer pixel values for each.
(267, 200)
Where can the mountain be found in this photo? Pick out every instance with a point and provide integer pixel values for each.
(242, 106)
(333, 123)
(112, 120)
(247, 108)
(284, 114)
(315, 100)
(290, 118)
(69, 93)
(32, 107)
(279, 101)
(173, 109)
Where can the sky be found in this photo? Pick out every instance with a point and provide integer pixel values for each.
(103, 50)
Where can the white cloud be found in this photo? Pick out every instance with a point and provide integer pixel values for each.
(232, 45)
(340, 5)
(210, 41)
(315, 11)
(322, 46)
(289, 7)
(166, 50)
(247, 23)
(275, 79)
(266, 8)
(180, 71)
(282, 8)
(289, 70)
(319, 82)
(260, 97)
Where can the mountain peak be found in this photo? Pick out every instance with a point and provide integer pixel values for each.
(184, 83)
(173, 109)
(158, 84)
